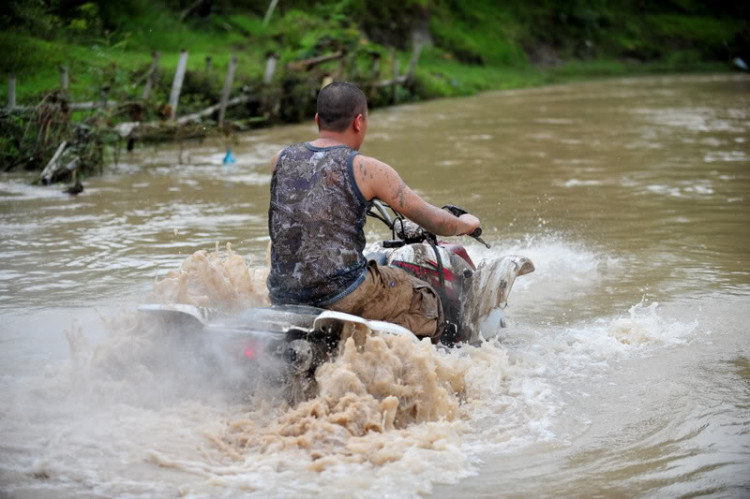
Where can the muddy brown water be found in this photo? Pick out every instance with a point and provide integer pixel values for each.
(624, 369)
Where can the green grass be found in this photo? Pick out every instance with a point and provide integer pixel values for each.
(36, 66)
(478, 47)
(439, 75)
(713, 32)
(484, 33)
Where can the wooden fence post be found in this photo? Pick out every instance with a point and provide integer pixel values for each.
(395, 75)
(104, 94)
(227, 88)
(375, 71)
(375, 66)
(416, 51)
(64, 78)
(49, 170)
(179, 76)
(269, 12)
(340, 69)
(151, 80)
(270, 68)
(11, 91)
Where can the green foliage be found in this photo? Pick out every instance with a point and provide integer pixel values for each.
(442, 76)
(478, 45)
(87, 22)
(305, 35)
(478, 33)
(565, 24)
(23, 54)
(386, 22)
(252, 27)
(665, 36)
(695, 29)
(11, 143)
(29, 16)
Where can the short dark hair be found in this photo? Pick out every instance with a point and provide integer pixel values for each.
(338, 104)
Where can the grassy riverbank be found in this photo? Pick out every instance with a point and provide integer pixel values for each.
(471, 47)
(474, 45)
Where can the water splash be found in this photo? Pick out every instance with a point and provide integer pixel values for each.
(226, 283)
(391, 416)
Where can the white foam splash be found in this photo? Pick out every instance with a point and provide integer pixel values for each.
(127, 416)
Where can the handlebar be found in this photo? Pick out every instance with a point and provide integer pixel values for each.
(456, 211)
(381, 209)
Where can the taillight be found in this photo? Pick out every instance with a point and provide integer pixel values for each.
(250, 351)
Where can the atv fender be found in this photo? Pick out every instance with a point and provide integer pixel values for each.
(188, 315)
(325, 320)
(490, 287)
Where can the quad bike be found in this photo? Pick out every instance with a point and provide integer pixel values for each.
(300, 338)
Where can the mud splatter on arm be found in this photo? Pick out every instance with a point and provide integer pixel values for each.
(376, 179)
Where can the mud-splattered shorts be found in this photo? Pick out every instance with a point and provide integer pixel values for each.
(390, 294)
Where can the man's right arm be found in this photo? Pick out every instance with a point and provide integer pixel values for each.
(275, 159)
(376, 179)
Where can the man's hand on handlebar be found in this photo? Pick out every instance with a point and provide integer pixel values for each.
(470, 224)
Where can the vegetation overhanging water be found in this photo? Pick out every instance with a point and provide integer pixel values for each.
(107, 49)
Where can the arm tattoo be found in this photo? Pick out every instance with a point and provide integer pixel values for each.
(400, 193)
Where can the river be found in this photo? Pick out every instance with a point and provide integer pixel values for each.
(624, 369)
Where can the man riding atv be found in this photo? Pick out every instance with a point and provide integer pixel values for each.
(320, 193)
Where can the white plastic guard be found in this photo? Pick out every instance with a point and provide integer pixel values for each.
(201, 314)
(378, 326)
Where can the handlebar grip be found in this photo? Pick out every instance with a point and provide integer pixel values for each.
(476, 235)
(456, 211)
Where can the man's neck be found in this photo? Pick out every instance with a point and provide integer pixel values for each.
(326, 139)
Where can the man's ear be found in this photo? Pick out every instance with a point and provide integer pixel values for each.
(317, 121)
(357, 123)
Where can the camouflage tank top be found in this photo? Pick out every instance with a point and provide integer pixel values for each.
(316, 221)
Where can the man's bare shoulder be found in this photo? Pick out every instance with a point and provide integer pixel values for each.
(368, 172)
(375, 177)
(365, 166)
(275, 159)
(369, 168)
